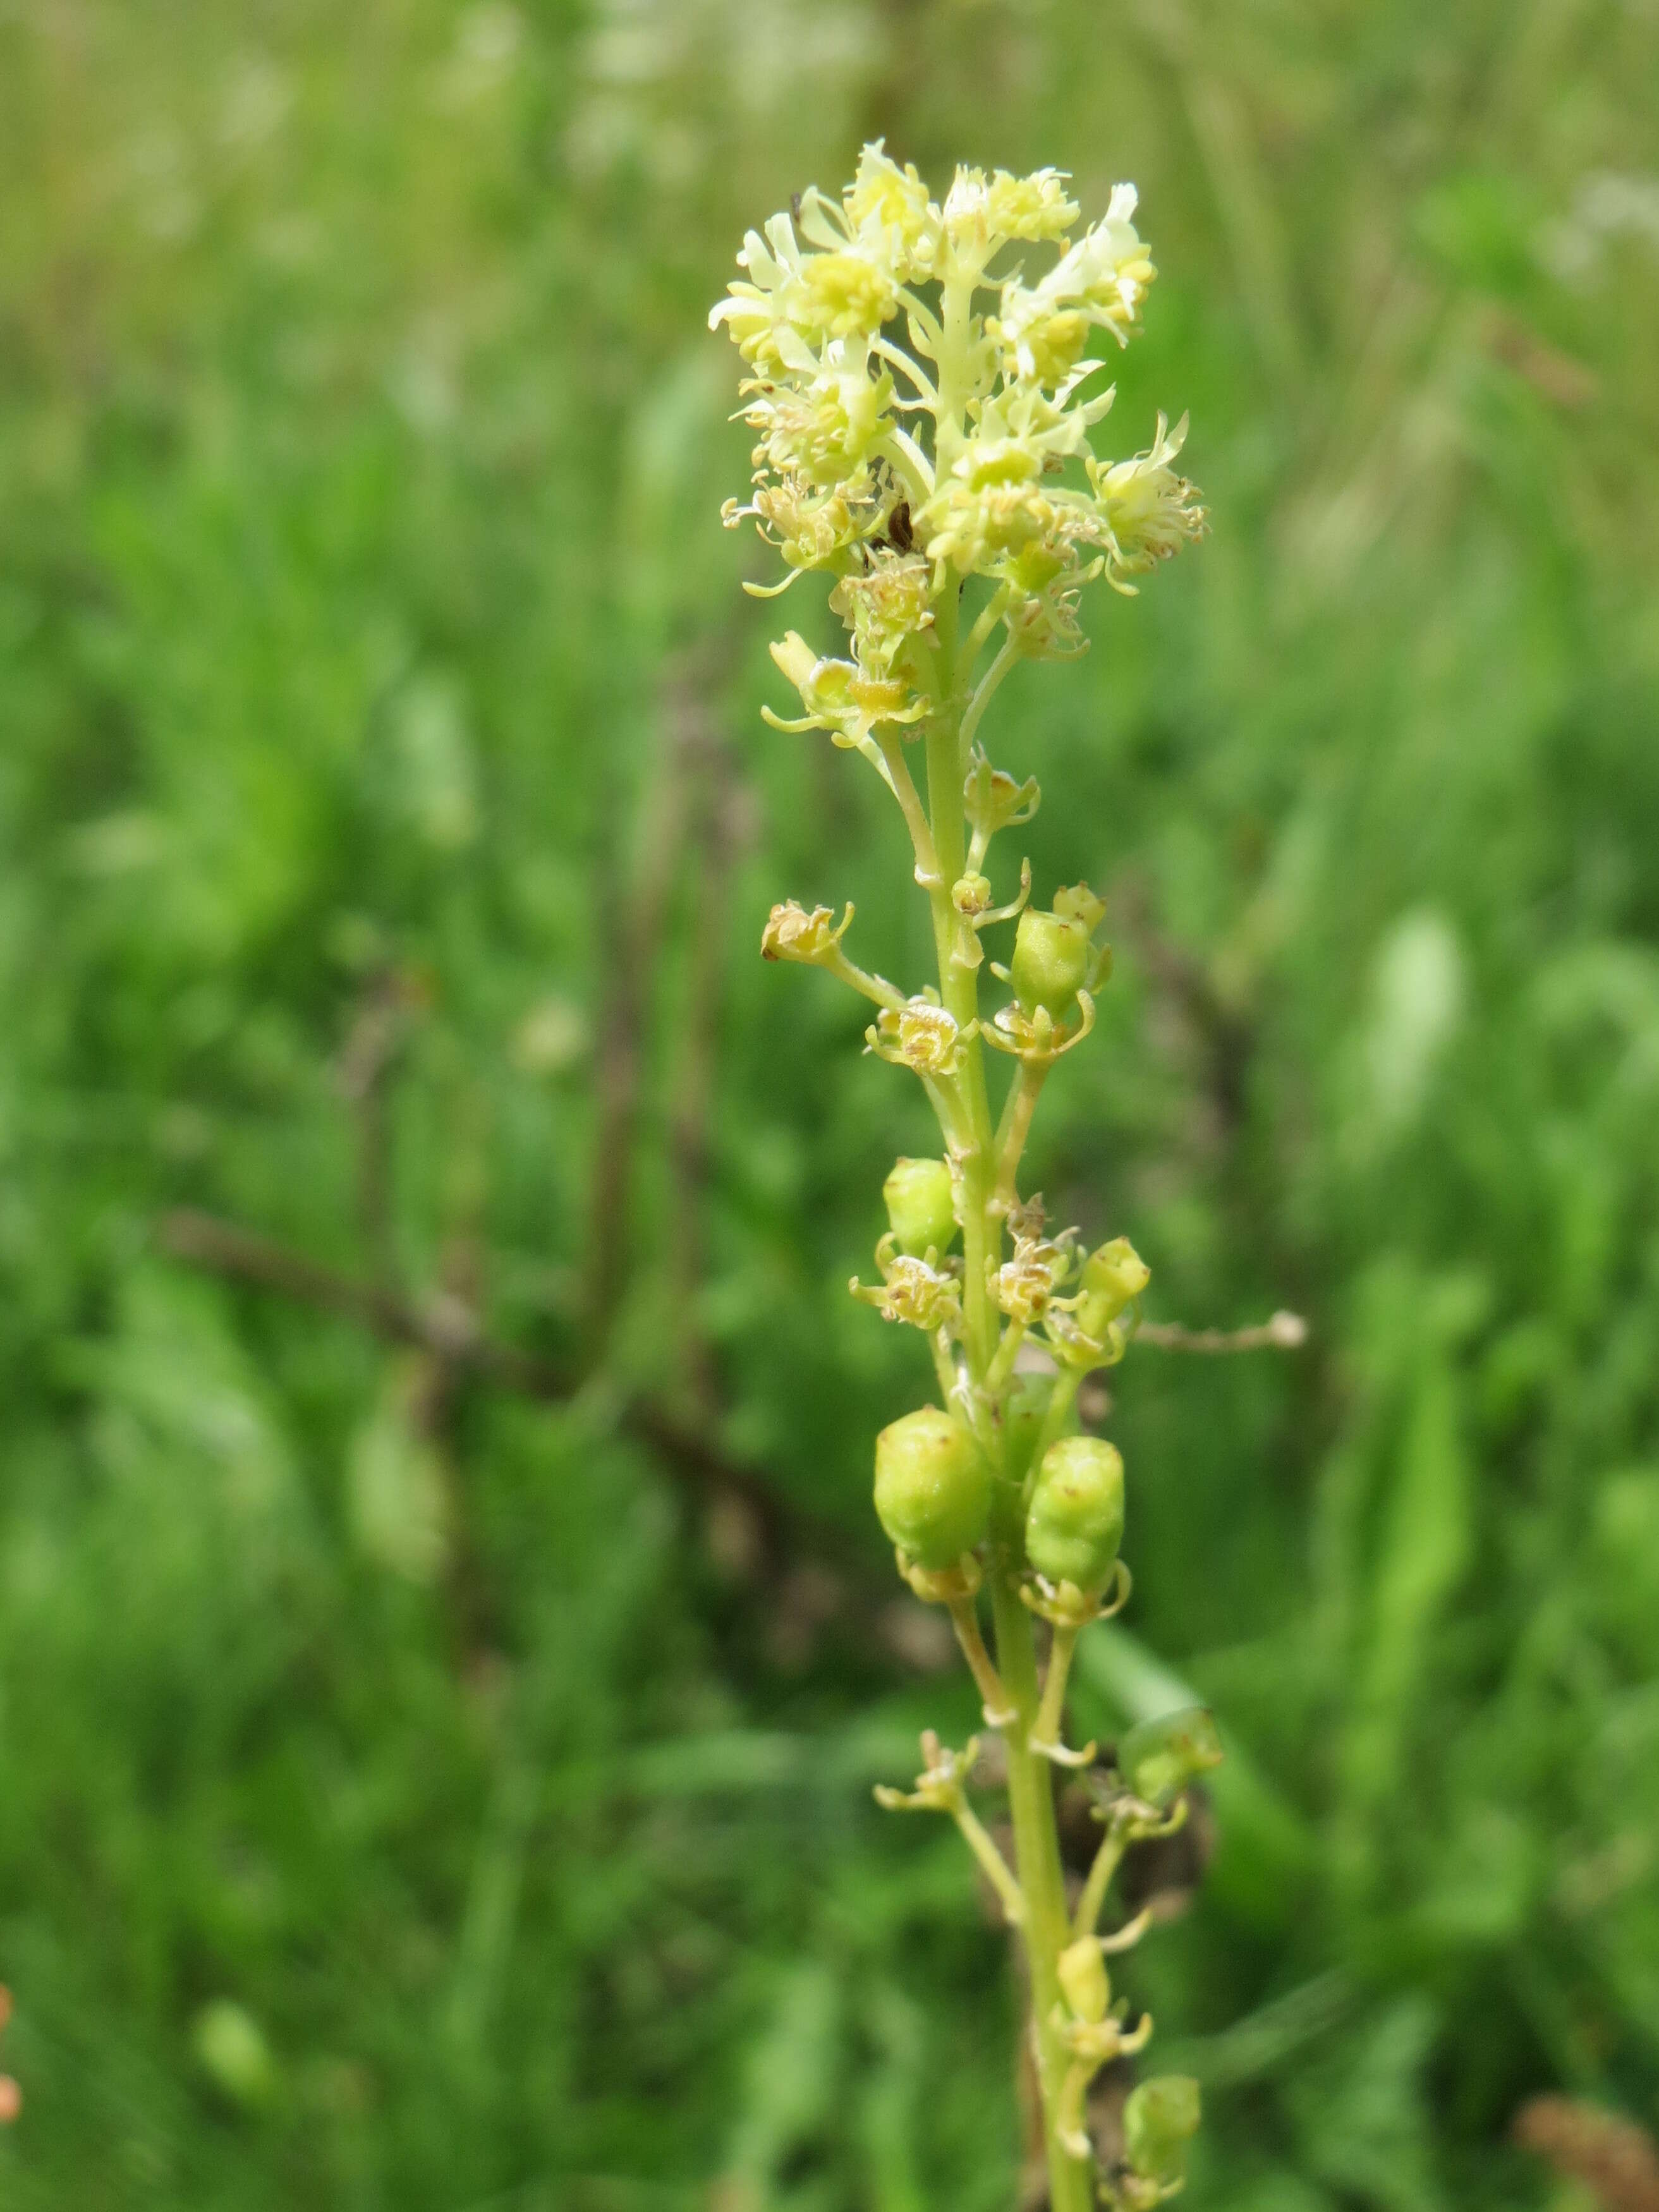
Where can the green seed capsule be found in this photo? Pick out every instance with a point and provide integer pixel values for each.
(918, 1195)
(1159, 2120)
(1074, 1523)
(1051, 961)
(1156, 1761)
(933, 1487)
(1114, 1275)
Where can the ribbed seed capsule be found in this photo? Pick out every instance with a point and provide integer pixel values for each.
(1051, 962)
(1159, 2120)
(919, 1208)
(1156, 1761)
(1074, 1523)
(933, 1487)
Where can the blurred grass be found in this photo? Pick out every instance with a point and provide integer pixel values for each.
(378, 715)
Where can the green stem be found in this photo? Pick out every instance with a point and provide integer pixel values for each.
(1067, 1384)
(1036, 1852)
(904, 790)
(994, 1694)
(874, 987)
(997, 1375)
(1016, 1124)
(959, 988)
(1051, 1714)
(1044, 1924)
(996, 1867)
(1112, 1846)
(982, 696)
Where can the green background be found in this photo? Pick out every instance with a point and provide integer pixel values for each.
(421, 1789)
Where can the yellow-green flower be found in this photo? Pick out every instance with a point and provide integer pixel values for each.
(838, 696)
(889, 204)
(887, 607)
(1149, 512)
(825, 428)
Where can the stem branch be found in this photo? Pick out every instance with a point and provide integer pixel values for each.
(1051, 1713)
(998, 1712)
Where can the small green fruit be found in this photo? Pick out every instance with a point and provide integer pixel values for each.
(918, 1195)
(1074, 1523)
(1156, 1761)
(1114, 1274)
(1051, 961)
(1159, 2120)
(933, 1487)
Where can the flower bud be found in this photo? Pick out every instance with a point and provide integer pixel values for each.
(1074, 1523)
(1083, 1979)
(1159, 2120)
(918, 1195)
(1156, 1761)
(1051, 961)
(933, 1487)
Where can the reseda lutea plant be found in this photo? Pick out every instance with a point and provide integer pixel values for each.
(919, 402)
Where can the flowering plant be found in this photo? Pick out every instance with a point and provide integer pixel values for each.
(923, 408)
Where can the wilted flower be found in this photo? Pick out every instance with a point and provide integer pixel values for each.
(912, 1290)
(1024, 1285)
(938, 1787)
(792, 933)
(919, 1035)
(1037, 1036)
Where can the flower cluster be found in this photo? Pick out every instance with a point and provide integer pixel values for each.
(922, 407)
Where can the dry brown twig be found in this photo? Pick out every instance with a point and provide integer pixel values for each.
(1282, 1332)
(448, 1328)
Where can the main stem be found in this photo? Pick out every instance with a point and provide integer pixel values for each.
(1037, 1853)
(1045, 1930)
